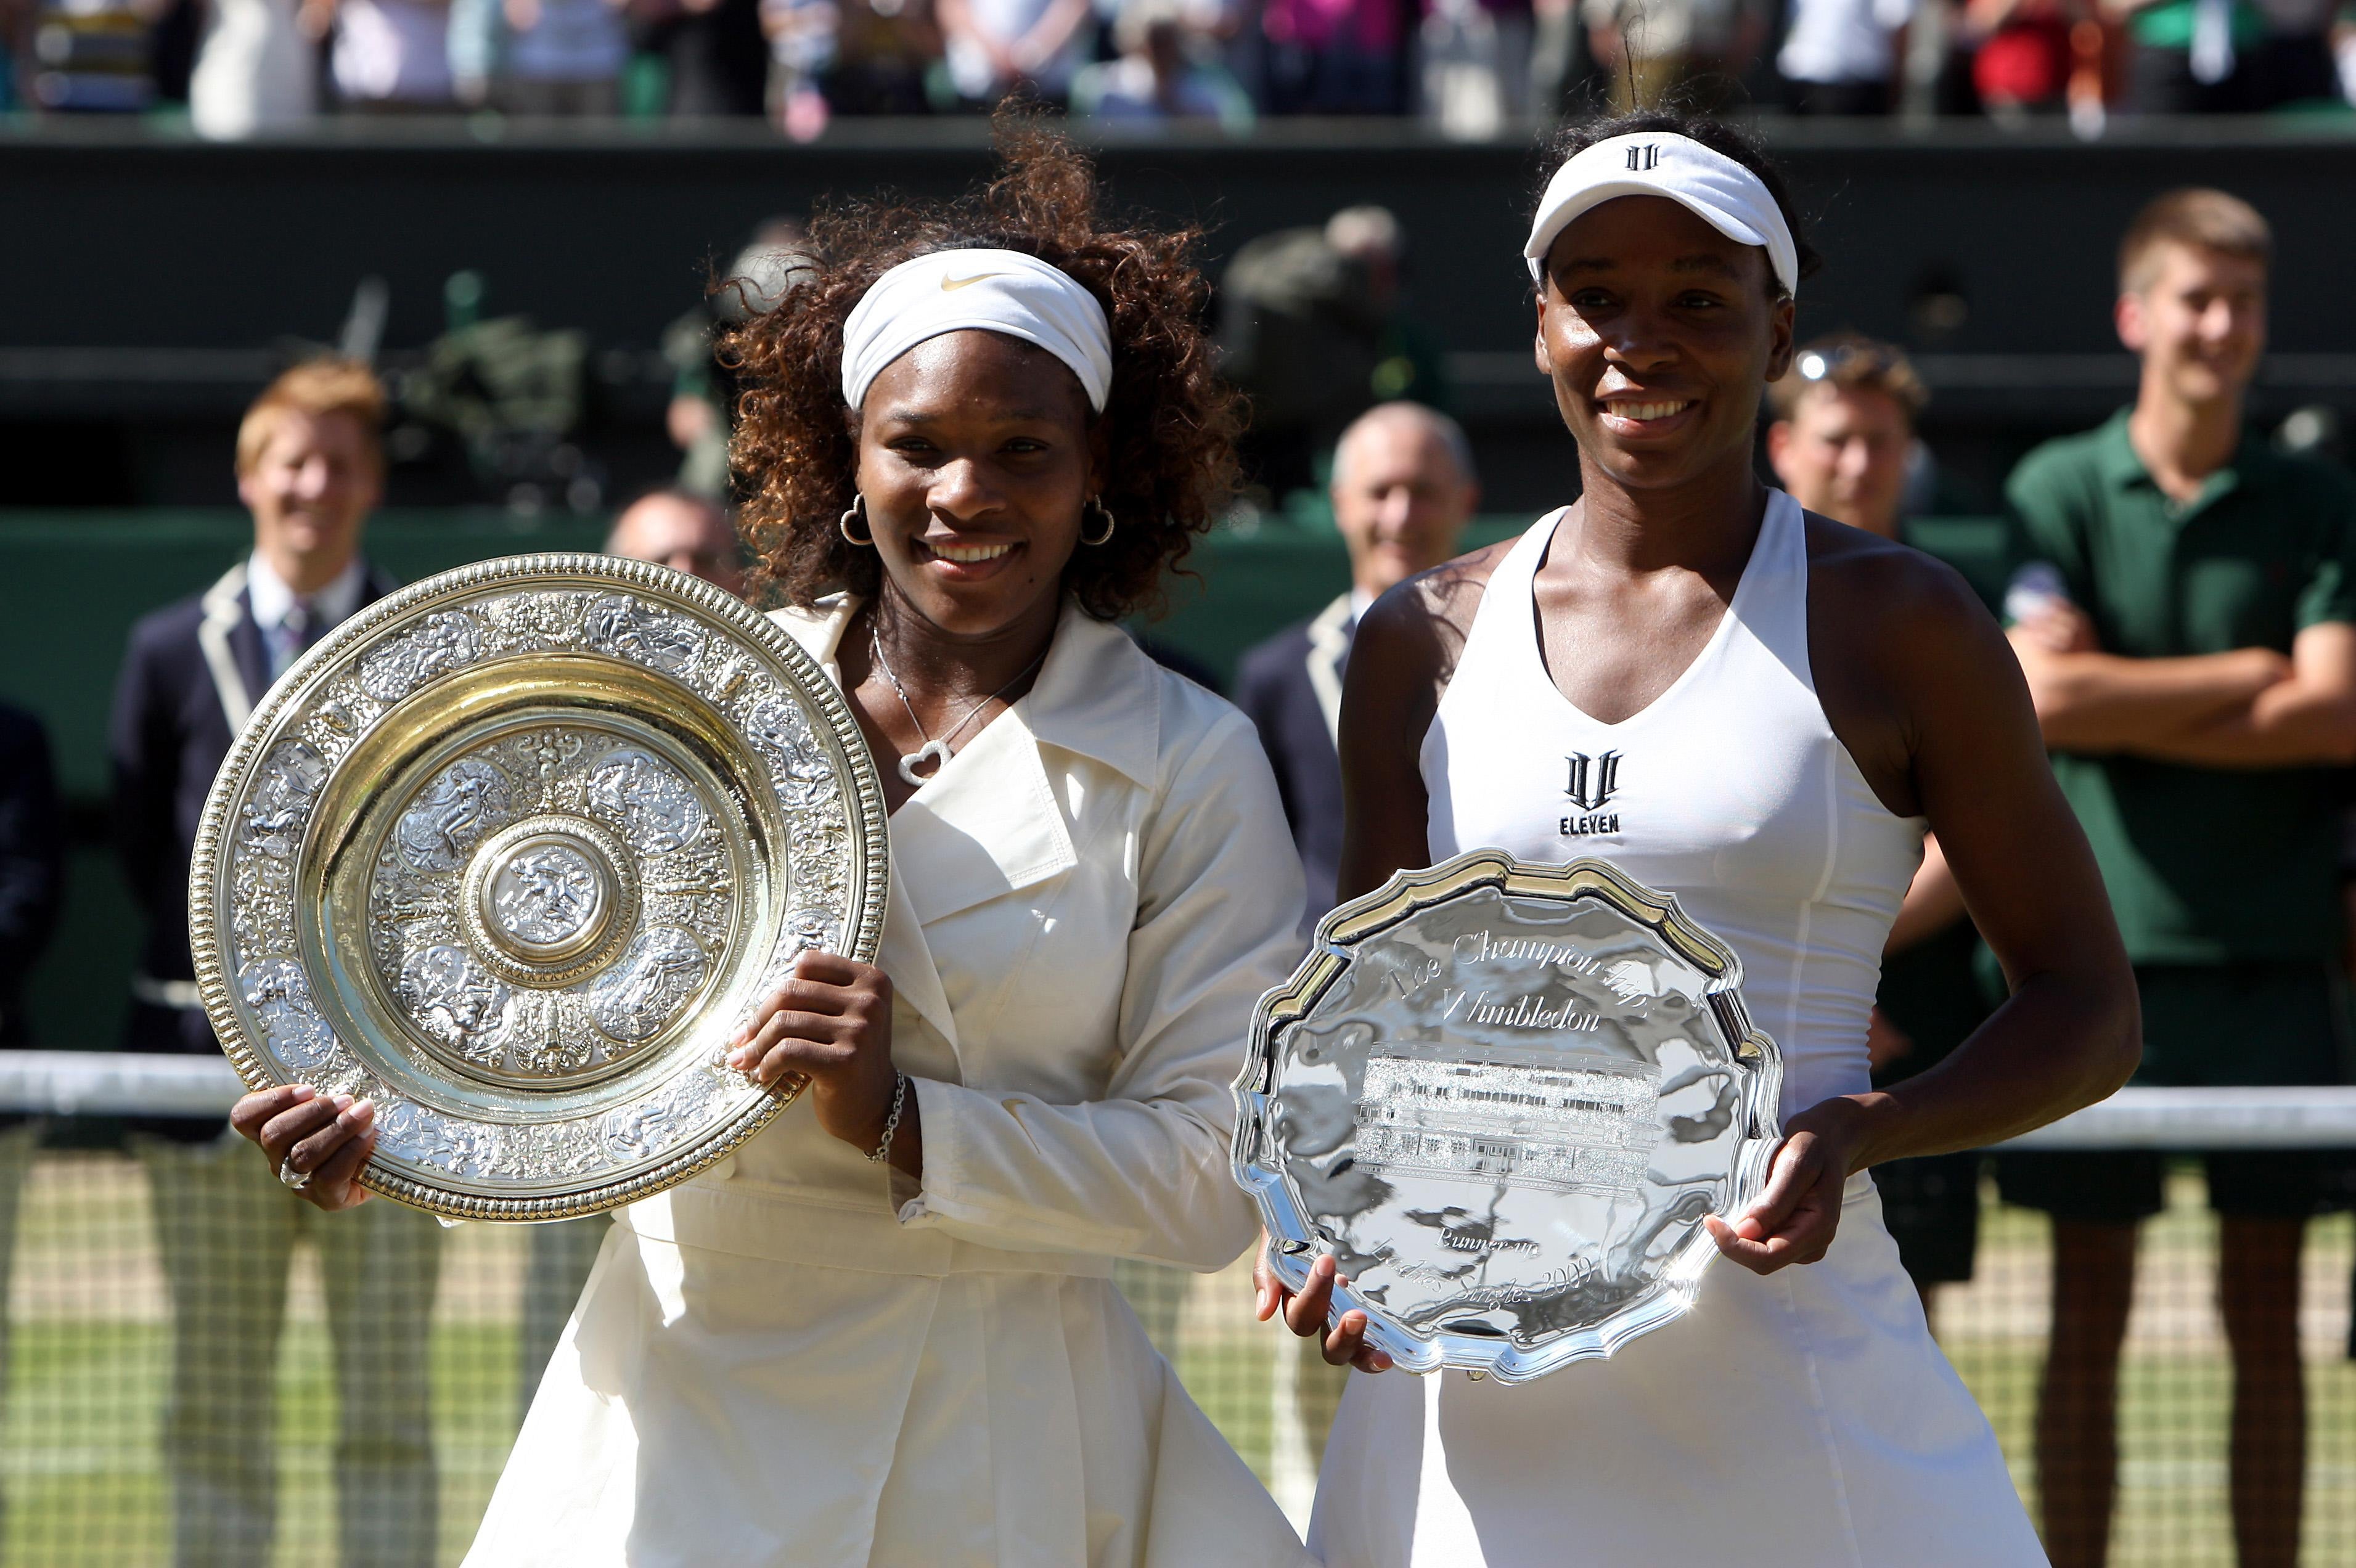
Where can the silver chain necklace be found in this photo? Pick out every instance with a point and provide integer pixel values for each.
(937, 751)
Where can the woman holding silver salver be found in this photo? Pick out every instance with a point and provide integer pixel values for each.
(885, 1331)
(1776, 707)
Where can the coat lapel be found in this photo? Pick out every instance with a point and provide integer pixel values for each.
(901, 952)
(1329, 644)
(986, 826)
(234, 677)
(989, 823)
(231, 643)
(905, 955)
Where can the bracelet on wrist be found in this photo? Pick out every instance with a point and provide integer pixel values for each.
(892, 1122)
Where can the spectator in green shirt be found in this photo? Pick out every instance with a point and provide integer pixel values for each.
(2194, 663)
(1843, 434)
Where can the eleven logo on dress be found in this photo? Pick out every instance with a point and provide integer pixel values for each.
(1591, 783)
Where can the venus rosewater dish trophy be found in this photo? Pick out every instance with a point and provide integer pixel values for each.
(512, 853)
(1504, 1097)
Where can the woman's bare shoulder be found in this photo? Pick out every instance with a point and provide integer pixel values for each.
(1417, 628)
(1879, 590)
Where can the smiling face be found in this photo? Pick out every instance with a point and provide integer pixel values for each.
(1400, 498)
(1843, 454)
(1659, 334)
(2199, 324)
(310, 487)
(976, 457)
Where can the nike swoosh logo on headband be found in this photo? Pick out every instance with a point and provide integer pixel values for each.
(950, 285)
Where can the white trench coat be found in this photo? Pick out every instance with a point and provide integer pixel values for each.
(801, 1359)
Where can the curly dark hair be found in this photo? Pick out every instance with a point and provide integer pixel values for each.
(1169, 424)
(1714, 135)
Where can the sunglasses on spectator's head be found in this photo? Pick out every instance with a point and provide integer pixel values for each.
(1831, 362)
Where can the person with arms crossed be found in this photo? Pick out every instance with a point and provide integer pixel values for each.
(309, 469)
(1792, 702)
(1840, 443)
(2188, 631)
(885, 1331)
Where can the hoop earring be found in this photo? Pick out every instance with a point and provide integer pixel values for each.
(1095, 505)
(859, 510)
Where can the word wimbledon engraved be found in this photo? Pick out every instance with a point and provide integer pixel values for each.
(511, 854)
(1504, 1097)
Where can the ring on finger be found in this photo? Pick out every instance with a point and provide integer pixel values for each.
(297, 1179)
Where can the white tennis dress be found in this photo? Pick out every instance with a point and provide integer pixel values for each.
(1803, 1418)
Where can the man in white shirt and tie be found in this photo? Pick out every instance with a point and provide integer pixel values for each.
(309, 469)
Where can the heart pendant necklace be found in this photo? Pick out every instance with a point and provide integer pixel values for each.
(935, 751)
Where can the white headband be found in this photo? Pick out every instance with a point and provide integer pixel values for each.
(1716, 189)
(993, 291)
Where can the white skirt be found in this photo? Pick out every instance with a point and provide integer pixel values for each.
(711, 1410)
(1805, 1417)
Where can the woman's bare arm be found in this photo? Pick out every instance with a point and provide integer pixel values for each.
(1919, 683)
(1917, 675)
(1932, 904)
(1400, 661)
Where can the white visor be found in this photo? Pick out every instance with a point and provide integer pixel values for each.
(990, 291)
(1716, 189)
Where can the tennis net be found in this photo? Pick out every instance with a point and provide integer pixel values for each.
(119, 1440)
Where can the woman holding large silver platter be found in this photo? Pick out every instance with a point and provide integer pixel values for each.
(1759, 712)
(885, 1331)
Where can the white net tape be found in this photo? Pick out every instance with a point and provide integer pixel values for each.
(106, 1084)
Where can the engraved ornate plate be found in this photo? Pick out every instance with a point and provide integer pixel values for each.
(512, 854)
(1504, 1097)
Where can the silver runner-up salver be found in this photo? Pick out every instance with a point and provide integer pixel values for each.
(1504, 1097)
(512, 853)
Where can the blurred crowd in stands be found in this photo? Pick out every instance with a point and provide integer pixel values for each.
(1471, 68)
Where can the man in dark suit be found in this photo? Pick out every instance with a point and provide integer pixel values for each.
(309, 469)
(1403, 489)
